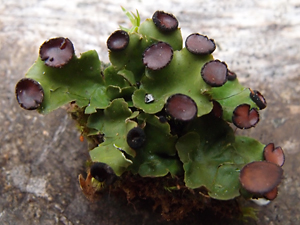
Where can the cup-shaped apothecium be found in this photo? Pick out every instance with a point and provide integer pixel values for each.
(181, 107)
(29, 93)
(164, 21)
(261, 177)
(244, 117)
(57, 52)
(118, 40)
(200, 44)
(158, 56)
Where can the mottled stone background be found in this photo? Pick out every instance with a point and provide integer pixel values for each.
(41, 156)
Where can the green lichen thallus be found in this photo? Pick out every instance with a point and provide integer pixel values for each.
(157, 118)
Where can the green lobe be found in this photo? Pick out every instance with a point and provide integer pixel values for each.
(114, 122)
(182, 75)
(76, 81)
(110, 155)
(149, 30)
(157, 157)
(230, 95)
(130, 59)
(212, 156)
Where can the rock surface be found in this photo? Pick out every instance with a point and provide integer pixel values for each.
(41, 156)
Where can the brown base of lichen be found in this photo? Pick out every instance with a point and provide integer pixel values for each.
(171, 198)
(165, 195)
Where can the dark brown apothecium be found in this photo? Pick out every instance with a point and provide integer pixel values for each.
(118, 40)
(136, 138)
(164, 21)
(181, 107)
(217, 109)
(258, 98)
(214, 73)
(260, 177)
(231, 75)
(199, 44)
(274, 155)
(272, 194)
(29, 94)
(57, 52)
(103, 173)
(244, 118)
(157, 56)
